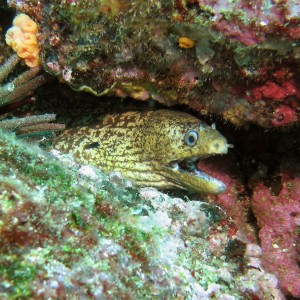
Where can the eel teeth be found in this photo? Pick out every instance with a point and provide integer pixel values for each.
(174, 165)
(189, 165)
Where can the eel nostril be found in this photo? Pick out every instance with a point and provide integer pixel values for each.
(217, 145)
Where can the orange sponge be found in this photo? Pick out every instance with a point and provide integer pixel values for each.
(22, 37)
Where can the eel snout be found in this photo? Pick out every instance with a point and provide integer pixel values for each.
(194, 178)
(219, 147)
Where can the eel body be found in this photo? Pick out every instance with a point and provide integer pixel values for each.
(151, 148)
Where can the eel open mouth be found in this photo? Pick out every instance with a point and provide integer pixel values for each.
(195, 179)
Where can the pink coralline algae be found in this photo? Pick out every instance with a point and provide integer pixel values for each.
(278, 217)
(254, 20)
(237, 32)
(234, 200)
(275, 91)
(279, 85)
(284, 115)
(281, 91)
(257, 193)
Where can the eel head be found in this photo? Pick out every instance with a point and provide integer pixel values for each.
(178, 141)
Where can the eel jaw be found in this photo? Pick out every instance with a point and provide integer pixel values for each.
(188, 176)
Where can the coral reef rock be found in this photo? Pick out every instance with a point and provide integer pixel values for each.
(69, 232)
(276, 205)
(235, 59)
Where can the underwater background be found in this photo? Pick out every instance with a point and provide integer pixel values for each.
(149, 149)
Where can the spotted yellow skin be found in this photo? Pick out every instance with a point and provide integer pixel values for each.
(140, 145)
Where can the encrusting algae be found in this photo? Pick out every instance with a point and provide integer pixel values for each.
(153, 148)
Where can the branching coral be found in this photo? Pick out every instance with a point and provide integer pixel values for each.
(32, 124)
(19, 88)
(22, 37)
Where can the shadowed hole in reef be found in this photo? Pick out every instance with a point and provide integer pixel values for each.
(257, 153)
(6, 18)
(274, 184)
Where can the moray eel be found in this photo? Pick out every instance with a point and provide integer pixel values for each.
(151, 148)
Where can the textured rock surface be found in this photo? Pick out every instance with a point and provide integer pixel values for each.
(277, 211)
(241, 61)
(69, 232)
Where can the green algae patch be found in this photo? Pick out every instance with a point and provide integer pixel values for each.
(17, 276)
(81, 226)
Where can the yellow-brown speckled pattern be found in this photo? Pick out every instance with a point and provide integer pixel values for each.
(140, 145)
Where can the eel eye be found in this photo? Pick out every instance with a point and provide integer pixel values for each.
(191, 138)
